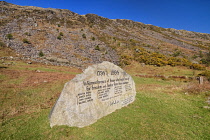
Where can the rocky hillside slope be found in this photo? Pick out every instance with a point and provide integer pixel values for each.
(62, 37)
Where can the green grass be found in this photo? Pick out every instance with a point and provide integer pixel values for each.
(161, 110)
(136, 69)
(151, 116)
(145, 81)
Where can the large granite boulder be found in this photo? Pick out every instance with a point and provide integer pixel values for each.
(97, 92)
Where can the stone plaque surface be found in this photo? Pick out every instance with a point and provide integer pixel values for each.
(97, 92)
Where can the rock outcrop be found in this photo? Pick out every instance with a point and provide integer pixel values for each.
(86, 39)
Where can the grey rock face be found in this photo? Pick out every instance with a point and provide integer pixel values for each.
(97, 92)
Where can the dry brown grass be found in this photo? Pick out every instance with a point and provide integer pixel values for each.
(196, 88)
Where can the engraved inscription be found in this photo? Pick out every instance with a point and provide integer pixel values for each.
(106, 89)
(101, 73)
(115, 72)
(117, 89)
(84, 97)
(127, 100)
(128, 87)
(103, 93)
(114, 102)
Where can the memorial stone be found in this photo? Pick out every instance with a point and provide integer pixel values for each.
(98, 91)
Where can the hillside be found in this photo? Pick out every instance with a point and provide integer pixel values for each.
(62, 37)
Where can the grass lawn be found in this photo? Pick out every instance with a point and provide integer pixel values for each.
(161, 109)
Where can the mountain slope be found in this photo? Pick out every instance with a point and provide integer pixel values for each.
(67, 38)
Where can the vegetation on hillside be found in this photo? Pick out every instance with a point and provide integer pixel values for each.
(153, 58)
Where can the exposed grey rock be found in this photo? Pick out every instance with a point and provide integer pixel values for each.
(97, 92)
(206, 107)
(41, 26)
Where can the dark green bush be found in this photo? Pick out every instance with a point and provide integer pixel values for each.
(83, 35)
(61, 33)
(27, 33)
(26, 41)
(97, 48)
(93, 38)
(59, 37)
(9, 36)
(41, 54)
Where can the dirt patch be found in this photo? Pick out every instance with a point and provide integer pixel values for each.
(36, 78)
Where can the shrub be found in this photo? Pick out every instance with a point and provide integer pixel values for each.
(97, 48)
(27, 33)
(194, 56)
(126, 59)
(114, 39)
(9, 36)
(59, 37)
(2, 44)
(206, 59)
(41, 54)
(93, 38)
(26, 41)
(125, 62)
(197, 67)
(201, 54)
(83, 35)
(61, 33)
(206, 74)
(177, 53)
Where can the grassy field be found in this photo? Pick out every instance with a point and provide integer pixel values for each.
(162, 109)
